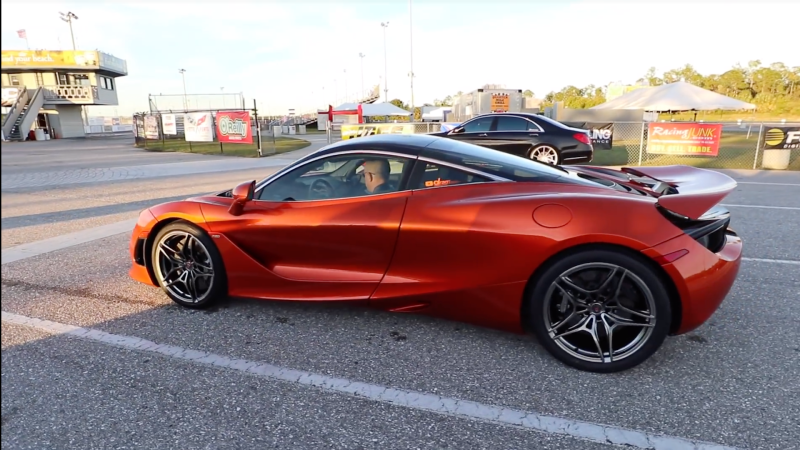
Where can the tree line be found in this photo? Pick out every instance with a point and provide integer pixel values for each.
(774, 88)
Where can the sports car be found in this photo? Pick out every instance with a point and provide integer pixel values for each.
(601, 265)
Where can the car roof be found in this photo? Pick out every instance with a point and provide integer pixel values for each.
(408, 144)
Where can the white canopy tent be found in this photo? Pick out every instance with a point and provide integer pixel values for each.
(374, 109)
(678, 96)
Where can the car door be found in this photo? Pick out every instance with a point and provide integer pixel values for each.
(516, 135)
(475, 131)
(323, 244)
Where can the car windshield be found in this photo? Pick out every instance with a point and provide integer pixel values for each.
(491, 161)
(552, 122)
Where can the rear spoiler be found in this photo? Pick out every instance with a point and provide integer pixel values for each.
(698, 190)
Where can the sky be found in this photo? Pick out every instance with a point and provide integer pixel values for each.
(304, 54)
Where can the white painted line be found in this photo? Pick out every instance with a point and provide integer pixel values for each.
(604, 434)
(767, 184)
(776, 261)
(37, 248)
(790, 208)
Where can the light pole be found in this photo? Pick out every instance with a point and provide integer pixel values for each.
(411, 53)
(68, 17)
(385, 25)
(361, 55)
(185, 101)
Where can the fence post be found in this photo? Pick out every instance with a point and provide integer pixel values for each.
(258, 127)
(758, 145)
(641, 143)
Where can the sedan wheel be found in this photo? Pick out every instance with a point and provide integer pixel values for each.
(187, 266)
(604, 313)
(545, 154)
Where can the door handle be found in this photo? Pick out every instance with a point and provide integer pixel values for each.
(483, 135)
(533, 134)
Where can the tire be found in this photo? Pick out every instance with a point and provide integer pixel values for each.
(641, 291)
(553, 154)
(178, 264)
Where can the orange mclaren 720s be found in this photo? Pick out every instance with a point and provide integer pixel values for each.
(600, 264)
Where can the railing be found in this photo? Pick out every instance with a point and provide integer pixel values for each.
(15, 110)
(70, 93)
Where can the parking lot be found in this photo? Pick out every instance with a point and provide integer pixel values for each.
(92, 359)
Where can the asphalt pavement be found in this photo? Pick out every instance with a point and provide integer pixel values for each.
(91, 359)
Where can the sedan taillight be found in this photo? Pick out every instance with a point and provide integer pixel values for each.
(583, 138)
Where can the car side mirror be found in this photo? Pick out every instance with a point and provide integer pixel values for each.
(241, 194)
(456, 130)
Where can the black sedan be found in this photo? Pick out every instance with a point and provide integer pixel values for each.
(528, 135)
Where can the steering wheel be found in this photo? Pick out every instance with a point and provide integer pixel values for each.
(321, 188)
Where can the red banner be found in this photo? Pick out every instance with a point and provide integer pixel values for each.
(234, 127)
(686, 139)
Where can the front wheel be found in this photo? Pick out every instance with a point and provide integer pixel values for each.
(546, 154)
(600, 311)
(188, 266)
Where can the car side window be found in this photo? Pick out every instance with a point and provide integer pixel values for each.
(512, 124)
(479, 125)
(436, 175)
(336, 177)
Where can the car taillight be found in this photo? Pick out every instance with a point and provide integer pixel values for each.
(582, 137)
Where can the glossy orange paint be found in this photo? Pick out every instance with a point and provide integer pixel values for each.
(461, 252)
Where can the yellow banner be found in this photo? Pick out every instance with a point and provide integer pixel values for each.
(361, 130)
(49, 58)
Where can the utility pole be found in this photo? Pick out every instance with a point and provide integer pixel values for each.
(361, 55)
(411, 53)
(68, 17)
(185, 101)
(385, 25)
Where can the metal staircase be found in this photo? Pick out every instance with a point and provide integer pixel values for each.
(26, 115)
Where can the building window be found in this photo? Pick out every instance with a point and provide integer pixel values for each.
(107, 83)
(82, 80)
(14, 80)
(62, 78)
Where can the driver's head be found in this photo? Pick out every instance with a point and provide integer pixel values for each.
(376, 172)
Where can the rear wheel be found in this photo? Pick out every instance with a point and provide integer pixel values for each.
(600, 311)
(546, 154)
(188, 266)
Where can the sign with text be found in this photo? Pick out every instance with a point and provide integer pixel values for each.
(234, 127)
(355, 131)
(151, 127)
(685, 139)
(501, 103)
(197, 127)
(602, 134)
(50, 58)
(168, 124)
(781, 138)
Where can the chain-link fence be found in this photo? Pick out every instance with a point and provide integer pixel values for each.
(710, 145)
(160, 131)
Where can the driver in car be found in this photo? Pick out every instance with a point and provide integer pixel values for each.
(376, 176)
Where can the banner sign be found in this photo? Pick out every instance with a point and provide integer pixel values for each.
(197, 127)
(355, 131)
(501, 103)
(30, 59)
(168, 124)
(781, 138)
(234, 127)
(602, 134)
(151, 127)
(686, 139)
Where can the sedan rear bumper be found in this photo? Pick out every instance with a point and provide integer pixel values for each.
(580, 154)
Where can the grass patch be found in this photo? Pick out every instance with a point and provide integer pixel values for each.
(736, 151)
(280, 145)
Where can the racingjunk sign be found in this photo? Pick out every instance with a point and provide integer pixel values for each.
(685, 139)
(234, 127)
